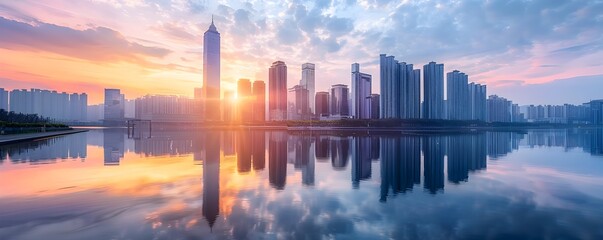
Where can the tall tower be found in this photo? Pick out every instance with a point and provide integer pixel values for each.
(277, 90)
(211, 73)
(433, 77)
(361, 93)
(308, 82)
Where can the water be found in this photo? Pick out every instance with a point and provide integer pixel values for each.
(104, 184)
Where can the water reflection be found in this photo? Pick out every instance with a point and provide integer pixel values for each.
(317, 184)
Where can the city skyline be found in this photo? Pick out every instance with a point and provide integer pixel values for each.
(141, 62)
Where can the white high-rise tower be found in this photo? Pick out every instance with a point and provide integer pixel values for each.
(308, 82)
(211, 73)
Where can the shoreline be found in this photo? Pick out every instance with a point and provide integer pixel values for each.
(15, 138)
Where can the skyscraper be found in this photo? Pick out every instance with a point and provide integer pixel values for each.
(375, 106)
(297, 103)
(322, 104)
(458, 100)
(3, 99)
(400, 89)
(114, 106)
(308, 82)
(259, 101)
(361, 93)
(340, 101)
(477, 102)
(499, 109)
(211, 73)
(433, 91)
(277, 98)
(244, 101)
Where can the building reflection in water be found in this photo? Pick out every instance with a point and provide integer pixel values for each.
(434, 148)
(300, 155)
(47, 150)
(259, 149)
(211, 177)
(277, 159)
(400, 164)
(322, 149)
(362, 152)
(244, 146)
(340, 152)
(113, 145)
(466, 153)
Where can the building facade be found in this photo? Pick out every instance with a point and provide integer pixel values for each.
(433, 91)
(244, 101)
(322, 104)
(114, 105)
(259, 101)
(297, 103)
(308, 81)
(166, 109)
(400, 89)
(361, 93)
(340, 101)
(211, 73)
(457, 95)
(56, 106)
(4, 99)
(277, 91)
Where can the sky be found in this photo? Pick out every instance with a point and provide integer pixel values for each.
(529, 51)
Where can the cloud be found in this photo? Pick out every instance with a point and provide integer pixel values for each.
(95, 44)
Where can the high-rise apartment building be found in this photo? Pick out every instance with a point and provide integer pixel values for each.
(400, 89)
(277, 91)
(457, 95)
(3, 99)
(361, 93)
(433, 91)
(375, 106)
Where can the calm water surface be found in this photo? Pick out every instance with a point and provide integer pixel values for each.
(104, 184)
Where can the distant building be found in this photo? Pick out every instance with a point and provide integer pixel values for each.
(308, 82)
(211, 73)
(4, 99)
(95, 113)
(244, 101)
(400, 89)
(457, 97)
(340, 101)
(166, 109)
(259, 101)
(60, 107)
(499, 109)
(361, 93)
(297, 103)
(433, 91)
(375, 106)
(277, 92)
(114, 106)
(477, 102)
(595, 111)
(322, 104)
(229, 107)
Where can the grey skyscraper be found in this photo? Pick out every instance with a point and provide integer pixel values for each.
(499, 109)
(375, 106)
(211, 73)
(3, 99)
(114, 106)
(340, 101)
(477, 102)
(361, 93)
(277, 91)
(308, 81)
(433, 91)
(458, 100)
(400, 89)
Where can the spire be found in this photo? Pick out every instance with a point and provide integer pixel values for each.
(212, 27)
